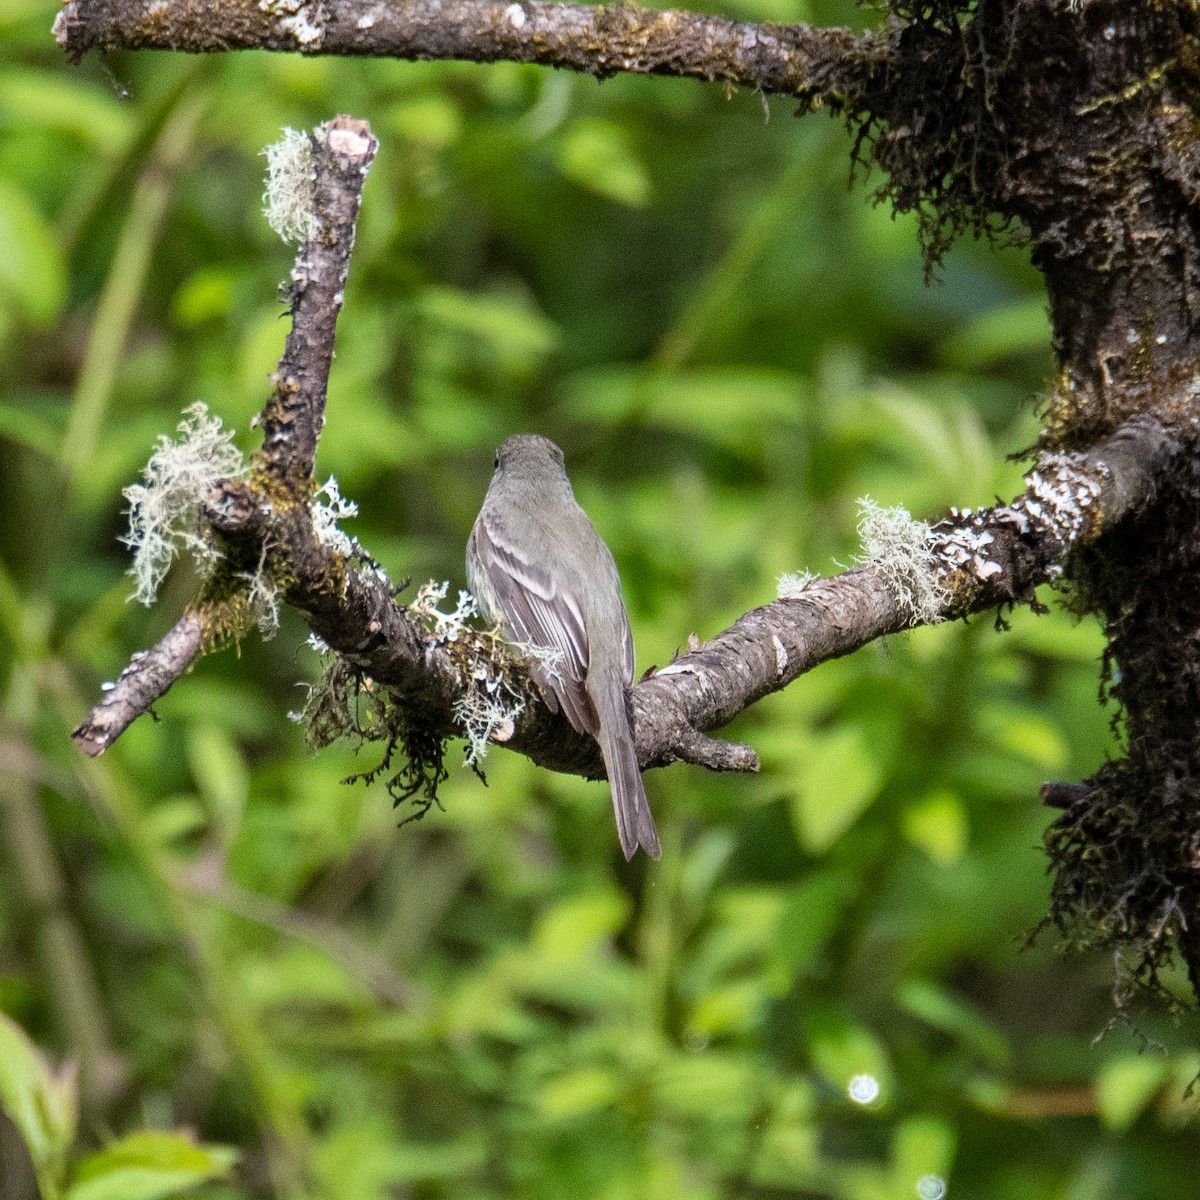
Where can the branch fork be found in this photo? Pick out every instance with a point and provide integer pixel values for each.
(969, 562)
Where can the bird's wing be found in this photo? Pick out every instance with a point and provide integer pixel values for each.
(541, 614)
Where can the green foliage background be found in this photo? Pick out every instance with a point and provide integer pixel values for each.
(732, 348)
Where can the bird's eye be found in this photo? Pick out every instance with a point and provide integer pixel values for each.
(497, 462)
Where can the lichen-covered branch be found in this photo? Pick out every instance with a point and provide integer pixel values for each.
(270, 536)
(597, 40)
(248, 522)
(973, 562)
(292, 419)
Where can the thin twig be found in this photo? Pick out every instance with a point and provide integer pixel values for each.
(147, 677)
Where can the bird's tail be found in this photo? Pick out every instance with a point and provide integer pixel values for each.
(635, 825)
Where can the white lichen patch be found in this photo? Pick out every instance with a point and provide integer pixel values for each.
(791, 584)
(352, 144)
(1058, 497)
(902, 551)
(781, 656)
(327, 512)
(288, 193)
(305, 27)
(163, 509)
(304, 21)
(444, 627)
(263, 597)
(489, 707)
(486, 716)
(965, 547)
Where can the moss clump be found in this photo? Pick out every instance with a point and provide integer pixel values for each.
(1126, 850)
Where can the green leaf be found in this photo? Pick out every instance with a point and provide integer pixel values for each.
(837, 778)
(810, 918)
(1022, 327)
(597, 155)
(1125, 1086)
(509, 325)
(573, 927)
(578, 1093)
(206, 294)
(366, 1160)
(941, 1010)
(937, 823)
(922, 1152)
(220, 773)
(29, 429)
(148, 1165)
(32, 274)
(849, 1056)
(741, 410)
(38, 100)
(176, 817)
(736, 1008)
(711, 1085)
(39, 1101)
(1025, 734)
(431, 120)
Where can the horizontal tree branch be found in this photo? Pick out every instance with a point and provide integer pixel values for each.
(972, 562)
(598, 40)
(969, 562)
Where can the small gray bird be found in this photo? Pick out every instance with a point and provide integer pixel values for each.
(537, 566)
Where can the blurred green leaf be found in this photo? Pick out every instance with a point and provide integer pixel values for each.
(836, 778)
(1126, 1085)
(207, 294)
(1022, 327)
(597, 155)
(577, 1094)
(573, 927)
(147, 1166)
(713, 1085)
(848, 1054)
(937, 1007)
(32, 273)
(175, 818)
(1026, 734)
(810, 918)
(27, 428)
(937, 822)
(922, 1153)
(365, 1160)
(431, 120)
(40, 1101)
(511, 329)
(52, 101)
(220, 774)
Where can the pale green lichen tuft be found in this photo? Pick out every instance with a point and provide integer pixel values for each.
(791, 584)
(163, 510)
(288, 196)
(901, 550)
